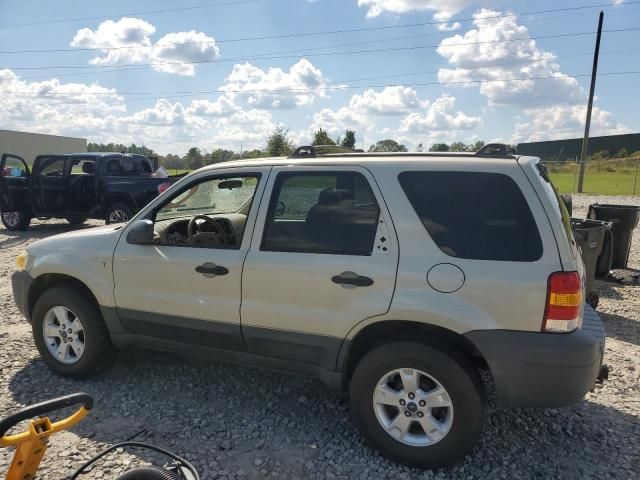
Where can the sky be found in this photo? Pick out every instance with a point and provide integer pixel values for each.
(226, 73)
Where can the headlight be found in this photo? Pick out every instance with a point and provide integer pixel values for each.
(22, 260)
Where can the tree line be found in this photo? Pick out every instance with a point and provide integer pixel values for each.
(278, 144)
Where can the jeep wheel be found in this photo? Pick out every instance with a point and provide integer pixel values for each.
(118, 213)
(70, 334)
(418, 405)
(76, 220)
(18, 220)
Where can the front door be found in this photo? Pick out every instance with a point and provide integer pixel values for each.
(185, 287)
(50, 185)
(15, 190)
(323, 258)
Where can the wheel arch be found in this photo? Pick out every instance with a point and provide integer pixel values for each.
(49, 280)
(120, 197)
(386, 331)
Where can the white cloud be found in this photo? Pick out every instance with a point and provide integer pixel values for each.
(128, 41)
(443, 9)
(101, 115)
(335, 122)
(565, 121)
(488, 53)
(223, 106)
(395, 100)
(302, 84)
(439, 116)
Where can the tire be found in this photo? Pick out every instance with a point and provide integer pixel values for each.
(98, 353)
(18, 220)
(76, 220)
(452, 371)
(117, 213)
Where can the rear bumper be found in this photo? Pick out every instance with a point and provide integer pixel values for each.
(21, 282)
(533, 369)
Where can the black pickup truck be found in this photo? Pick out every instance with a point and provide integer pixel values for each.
(77, 186)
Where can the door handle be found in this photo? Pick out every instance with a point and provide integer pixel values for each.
(351, 278)
(211, 269)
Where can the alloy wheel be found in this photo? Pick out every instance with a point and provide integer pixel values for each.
(413, 407)
(63, 335)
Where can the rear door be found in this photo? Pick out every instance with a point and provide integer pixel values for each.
(323, 258)
(15, 186)
(51, 183)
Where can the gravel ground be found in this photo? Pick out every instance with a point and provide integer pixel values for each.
(236, 422)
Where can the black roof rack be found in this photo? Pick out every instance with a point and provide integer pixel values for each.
(491, 150)
(310, 151)
(496, 150)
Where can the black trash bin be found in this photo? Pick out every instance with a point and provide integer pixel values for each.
(624, 218)
(590, 235)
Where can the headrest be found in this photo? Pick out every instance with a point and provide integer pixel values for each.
(88, 167)
(332, 196)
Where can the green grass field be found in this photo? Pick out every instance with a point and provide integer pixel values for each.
(601, 183)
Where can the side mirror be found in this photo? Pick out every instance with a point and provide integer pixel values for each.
(279, 210)
(141, 232)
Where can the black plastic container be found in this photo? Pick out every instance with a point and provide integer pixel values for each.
(590, 236)
(624, 218)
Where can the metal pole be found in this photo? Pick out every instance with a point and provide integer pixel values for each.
(594, 72)
(635, 180)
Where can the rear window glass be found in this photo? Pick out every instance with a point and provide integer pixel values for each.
(474, 215)
(564, 213)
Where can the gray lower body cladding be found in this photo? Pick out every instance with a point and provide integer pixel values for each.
(21, 283)
(530, 369)
(533, 369)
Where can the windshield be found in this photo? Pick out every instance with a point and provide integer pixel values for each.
(224, 195)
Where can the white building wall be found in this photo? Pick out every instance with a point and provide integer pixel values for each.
(30, 145)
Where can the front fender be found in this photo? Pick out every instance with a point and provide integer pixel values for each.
(94, 271)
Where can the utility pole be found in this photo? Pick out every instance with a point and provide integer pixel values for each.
(594, 73)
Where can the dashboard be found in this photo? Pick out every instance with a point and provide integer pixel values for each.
(174, 231)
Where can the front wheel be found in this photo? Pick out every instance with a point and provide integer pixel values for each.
(70, 333)
(16, 220)
(418, 405)
(118, 213)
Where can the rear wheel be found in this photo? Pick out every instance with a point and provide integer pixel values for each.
(418, 405)
(76, 220)
(118, 213)
(70, 333)
(16, 220)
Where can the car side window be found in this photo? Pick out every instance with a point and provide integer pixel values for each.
(14, 167)
(321, 212)
(83, 166)
(113, 167)
(210, 213)
(474, 215)
(52, 166)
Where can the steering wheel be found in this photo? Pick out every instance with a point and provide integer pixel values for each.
(196, 235)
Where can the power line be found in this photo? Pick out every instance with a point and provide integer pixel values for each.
(327, 88)
(147, 12)
(74, 74)
(330, 32)
(320, 54)
(291, 35)
(505, 64)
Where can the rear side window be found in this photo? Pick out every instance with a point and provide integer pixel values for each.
(52, 166)
(321, 212)
(474, 215)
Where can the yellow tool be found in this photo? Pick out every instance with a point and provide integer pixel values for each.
(31, 445)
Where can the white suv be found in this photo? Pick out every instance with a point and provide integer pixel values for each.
(395, 277)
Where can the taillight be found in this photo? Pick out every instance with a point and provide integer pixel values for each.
(564, 300)
(163, 186)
